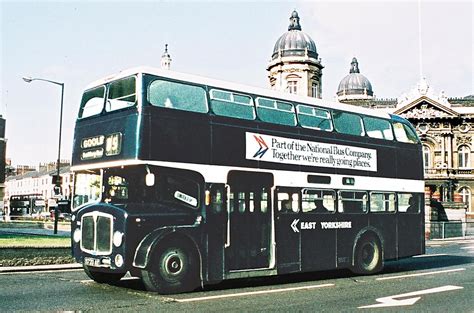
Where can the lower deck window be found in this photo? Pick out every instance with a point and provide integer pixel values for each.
(409, 203)
(352, 201)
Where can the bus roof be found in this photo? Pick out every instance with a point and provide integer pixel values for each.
(237, 87)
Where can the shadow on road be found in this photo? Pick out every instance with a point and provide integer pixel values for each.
(391, 267)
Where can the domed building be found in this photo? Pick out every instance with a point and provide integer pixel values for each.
(295, 66)
(355, 85)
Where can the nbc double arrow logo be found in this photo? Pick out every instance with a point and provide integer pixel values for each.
(262, 146)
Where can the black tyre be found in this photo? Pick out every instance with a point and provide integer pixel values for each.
(368, 256)
(173, 270)
(101, 277)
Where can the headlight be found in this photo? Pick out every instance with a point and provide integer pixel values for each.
(77, 235)
(118, 260)
(118, 238)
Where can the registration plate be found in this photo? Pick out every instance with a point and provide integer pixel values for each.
(92, 262)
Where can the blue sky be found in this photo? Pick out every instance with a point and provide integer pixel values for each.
(79, 42)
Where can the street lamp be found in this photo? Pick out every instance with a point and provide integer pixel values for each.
(58, 182)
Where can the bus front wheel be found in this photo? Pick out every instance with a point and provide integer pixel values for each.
(101, 277)
(173, 270)
(368, 256)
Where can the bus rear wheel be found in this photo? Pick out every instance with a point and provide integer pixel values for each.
(173, 270)
(368, 256)
(102, 277)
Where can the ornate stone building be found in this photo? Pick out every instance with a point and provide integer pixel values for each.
(446, 128)
(295, 66)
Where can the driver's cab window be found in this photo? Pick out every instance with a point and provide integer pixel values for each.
(116, 189)
(179, 190)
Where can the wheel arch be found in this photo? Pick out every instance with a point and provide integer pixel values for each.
(364, 233)
(163, 237)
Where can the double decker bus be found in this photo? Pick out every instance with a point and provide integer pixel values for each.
(20, 206)
(185, 181)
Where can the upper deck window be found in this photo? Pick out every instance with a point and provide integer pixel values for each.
(122, 94)
(278, 112)
(92, 102)
(378, 128)
(348, 123)
(404, 133)
(177, 96)
(315, 118)
(230, 104)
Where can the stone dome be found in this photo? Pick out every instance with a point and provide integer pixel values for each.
(294, 42)
(355, 85)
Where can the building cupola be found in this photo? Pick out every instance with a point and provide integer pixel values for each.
(355, 85)
(294, 66)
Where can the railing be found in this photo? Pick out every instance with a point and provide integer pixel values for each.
(449, 229)
(448, 172)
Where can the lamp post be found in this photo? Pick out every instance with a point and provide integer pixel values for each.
(57, 182)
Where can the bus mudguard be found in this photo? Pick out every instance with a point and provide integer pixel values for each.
(145, 247)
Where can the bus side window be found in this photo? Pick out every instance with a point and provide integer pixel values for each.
(352, 201)
(348, 123)
(403, 133)
(382, 202)
(408, 203)
(177, 96)
(218, 197)
(378, 128)
(288, 202)
(318, 201)
(277, 112)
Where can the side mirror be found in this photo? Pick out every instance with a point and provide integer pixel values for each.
(150, 179)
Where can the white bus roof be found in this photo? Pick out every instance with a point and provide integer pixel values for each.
(237, 87)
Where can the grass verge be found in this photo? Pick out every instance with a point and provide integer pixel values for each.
(28, 250)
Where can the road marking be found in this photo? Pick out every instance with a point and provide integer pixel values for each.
(253, 293)
(422, 274)
(86, 281)
(430, 255)
(391, 301)
(39, 272)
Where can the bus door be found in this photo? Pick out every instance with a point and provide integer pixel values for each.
(249, 211)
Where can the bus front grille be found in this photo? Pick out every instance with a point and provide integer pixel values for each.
(97, 233)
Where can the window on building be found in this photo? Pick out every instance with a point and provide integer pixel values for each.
(426, 157)
(465, 193)
(315, 90)
(292, 87)
(464, 157)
